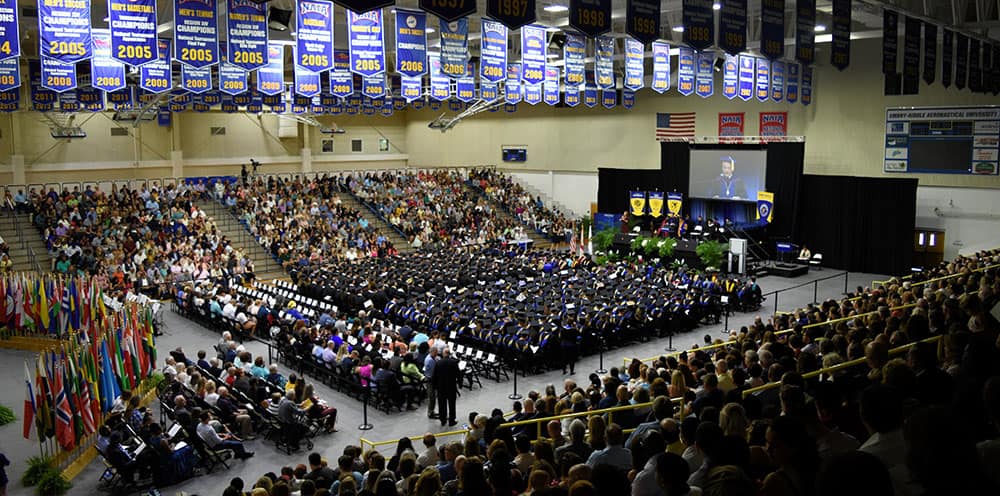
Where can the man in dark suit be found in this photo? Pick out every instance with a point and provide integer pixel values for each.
(446, 382)
(729, 185)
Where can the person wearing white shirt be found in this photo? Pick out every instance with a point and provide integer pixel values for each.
(229, 310)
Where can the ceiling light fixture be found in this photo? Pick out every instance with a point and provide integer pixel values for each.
(678, 29)
(819, 28)
(555, 8)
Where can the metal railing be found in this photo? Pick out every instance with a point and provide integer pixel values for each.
(815, 284)
(937, 279)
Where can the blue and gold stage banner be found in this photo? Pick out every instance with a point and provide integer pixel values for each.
(609, 98)
(412, 87)
(373, 87)
(890, 43)
(488, 92)
(493, 52)
(930, 53)
(440, 83)
(733, 26)
(730, 76)
(637, 203)
(551, 96)
(628, 98)
(765, 206)
(454, 47)
(571, 96)
(10, 74)
(106, 73)
(604, 66)
(246, 34)
(10, 101)
(364, 36)
(777, 80)
(64, 30)
(512, 88)
(196, 80)
(341, 78)
(123, 98)
(772, 28)
(411, 43)
(58, 76)
(314, 35)
(533, 57)
(661, 67)
(705, 84)
(840, 46)
(306, 83)
(90, 98)
(807, 85)
(271, 77)
(747, 76)
(686, 71)
(196, 34)
(805, 31)
(574, 56)
(642, 20)
(449, 10)
(232, 78)
(590, 91)
(512, 13)
(699, 23)
(10, 38)
(792, 82)
(364, 5)
(635, 72)
(532, 93)
(655, 203)
(465, 88)
(911, 55)
(674, 202)
(133, 31)
(763, 79)
(590, 17)
(947, 57)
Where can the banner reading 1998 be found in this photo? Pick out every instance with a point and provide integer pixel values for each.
(64, 30)
(196, 32)
(454, 47)
(661, 67)
(133, 31)
(106, 74)
(10, 39)
(634, 67)
(604, 67)
(493, 52)
(411, 43)
(246, 33)
(574, 54)
(314, 35)
(533, 58)
(365, 42)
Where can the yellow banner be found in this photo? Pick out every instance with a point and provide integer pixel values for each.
(637, 199)
(765, 206)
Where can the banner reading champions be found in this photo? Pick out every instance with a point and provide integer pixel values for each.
(574, 53)
(196, 32)
(411, 43)
(637, 200)
(454, 47)
(314, 35)
(634, 67)
(196, 80)
(493, 53)
(661, 67)
(64, 30)
(365, 42)
(270, 77)
(106, 73)
(604, 67)
(246, 34)
(157, 76)
(232, 79)
(10, 39)
(133, 31)
(533, 59)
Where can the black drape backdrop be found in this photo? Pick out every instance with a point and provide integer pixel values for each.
(862, 224)
(784, 173)
(613, 186)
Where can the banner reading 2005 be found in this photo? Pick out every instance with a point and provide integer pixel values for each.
(246, 31)
(64, 30)
(133, 31)
(314, 35)
(196, 32)
(365, 42)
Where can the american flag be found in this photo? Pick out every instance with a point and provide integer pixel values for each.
(671, 126)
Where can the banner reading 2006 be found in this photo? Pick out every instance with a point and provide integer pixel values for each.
(246, 31)
(196, 32)
(314, 35)
(64, 30)
(574, 54)
(533, 54)
(133, 31)
(493, 53)
(365, 42)
(411, 43)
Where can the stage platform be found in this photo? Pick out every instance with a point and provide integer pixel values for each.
(782, 269)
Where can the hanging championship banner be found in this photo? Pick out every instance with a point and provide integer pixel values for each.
(574, 56)
(532, 94)
(232, 79)
(911, 56)
(256, 103)
(765, 206)
(792, 82)
(10, 37)
(773, 124)
(307, 83)
(637, 200)
(930, 52)
(465, 88)
(961, 60)
(411, 43)
(449, 10)
(157, 76)
(609, 98)
(571, 97)
(510, 108)
(90, 98)
(123, 98)
(674, 203)
(805, 31)
(705, 85)
(533, 57)
(64, 30)
(196, 80)
(975, 73)
(42, 99)
(488, 92)
(106, 74)
(699, 23)
(300, 105)
(731, 123)
(58, 76)
(590, 91)
(243, 99)
(271, 77)
(399, 103)
(454, 47)
(341, 78)
(68, 102)
(604, 67)
(772, 28)
(733, 26)
(512, 13)
(512, 87)
(374, 86)
(807, 83)
(440, 83)
(628, 98)
(764, 79)
(634, 66)
(10, 74)
(590, 17)
(661, 67)
(133, 31)
(747, 76)
(365, 42)
(890, 21)
(10, 101)
(730, 76)
(947, 57)
(412, 87)
(246, 33)
(493, 52)
(551, 85)
(655, 203)
(314, 35)
(228, 105)
(211, 98)
(196, 34)
(777, 80)
(642, 20)
(685, 71)
(840, 47)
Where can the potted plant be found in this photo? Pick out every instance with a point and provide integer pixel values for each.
(710, 253)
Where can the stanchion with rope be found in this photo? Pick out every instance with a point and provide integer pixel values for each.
(515, 395)
(365, 426)
(600, 358)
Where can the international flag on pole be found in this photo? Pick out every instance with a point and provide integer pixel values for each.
(674, 125)
(64, 413)
(29, 404)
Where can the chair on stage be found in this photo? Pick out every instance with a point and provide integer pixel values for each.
(816, 261)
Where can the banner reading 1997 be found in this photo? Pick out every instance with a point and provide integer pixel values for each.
(133, 31)
(365, 41)
(454, 47)
(574, 54)
(604, 67)
(246, 34)
(493, 52)
(196, 32)
(634, 67)
(314, 35)
(533, 58)
(106, 74)
(10, 39)
(64, 30)
(411, 43)
(661, 67)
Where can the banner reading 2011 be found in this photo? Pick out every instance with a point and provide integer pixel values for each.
(196, 32)
(133, 31)
(365, 42)
(64, 30)
(246, 32)
(314, 35)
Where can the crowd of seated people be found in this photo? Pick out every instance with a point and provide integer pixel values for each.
(301, 221)
(217, 306)
(141, 239)
(504, 190)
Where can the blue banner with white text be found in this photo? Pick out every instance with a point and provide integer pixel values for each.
(763, 79)
(133, 31)
(10, 38)
(454, 47)
(197, 80)
(465, 88)
(440, 82)
(306, 83)
(512, 87)
(532, 94)
(64, 30)
(730, 76)
(314, 35)
(364, 36)
(106, 73)
(271, 77)
(685, 71)
(792, 82)
(661, 67)
(604, 67)
(574, 56)
(705, 84)
(634, 64)
(628, 98)
(590, 97)
(412, 87)
(10, 100)
(411, 43)
(777, 80)
(58, 76)
(488, 92)
(493, 52)
(609, 98)
(571, 96)
(157, 76)
(747, 76)
(246, 34)
(232, 78)
(373, 86)
(10, 74)
(551, 85)
(533, 58)
(196, 32)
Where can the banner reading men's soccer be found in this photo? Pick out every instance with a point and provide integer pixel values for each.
(637, 200)
(246, 34)
(533, 58)
(314, 35)
(661, 67)
(493, 52)
(655, 203)
(365, 42)
(10, 38)
(64, 30)
(411, 43)
(133, 31)
(106, 74)
(574, 54)
(196, 32)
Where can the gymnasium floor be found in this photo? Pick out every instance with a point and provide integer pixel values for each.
(178, 331)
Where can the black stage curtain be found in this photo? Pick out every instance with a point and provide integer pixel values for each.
(861, 224)
(613, 186)
(784, 173)
(675, 162)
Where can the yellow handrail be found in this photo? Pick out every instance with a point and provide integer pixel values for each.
(936, 279)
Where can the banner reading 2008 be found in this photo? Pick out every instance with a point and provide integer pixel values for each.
(106, 74)
(246, 31)
(314, 35)
(196, 32)
(365, 41)
(133, 31)
(64, 30)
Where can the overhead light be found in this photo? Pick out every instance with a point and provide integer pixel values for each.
(553, 55)
(106, 19)
(716, 6)
(278, 19)
(819, 28)
(678, 29)
(430, 30)
(556, 8)
(552, 29)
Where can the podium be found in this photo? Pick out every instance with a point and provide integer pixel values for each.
(737, 256)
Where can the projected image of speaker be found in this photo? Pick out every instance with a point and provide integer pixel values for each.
(727, 174)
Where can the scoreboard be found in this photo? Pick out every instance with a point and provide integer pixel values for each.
(942, 140)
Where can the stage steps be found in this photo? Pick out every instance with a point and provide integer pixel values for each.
(265, 266)
(380, 224)
(10, 225)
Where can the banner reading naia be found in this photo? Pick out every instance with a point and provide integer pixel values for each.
(774, 123)
(731, 123)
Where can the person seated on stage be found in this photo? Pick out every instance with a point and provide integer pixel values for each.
(805, 254)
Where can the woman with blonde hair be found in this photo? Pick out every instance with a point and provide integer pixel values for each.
(595, 432)
(428, 484)
(678, 386)
(733, 420)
